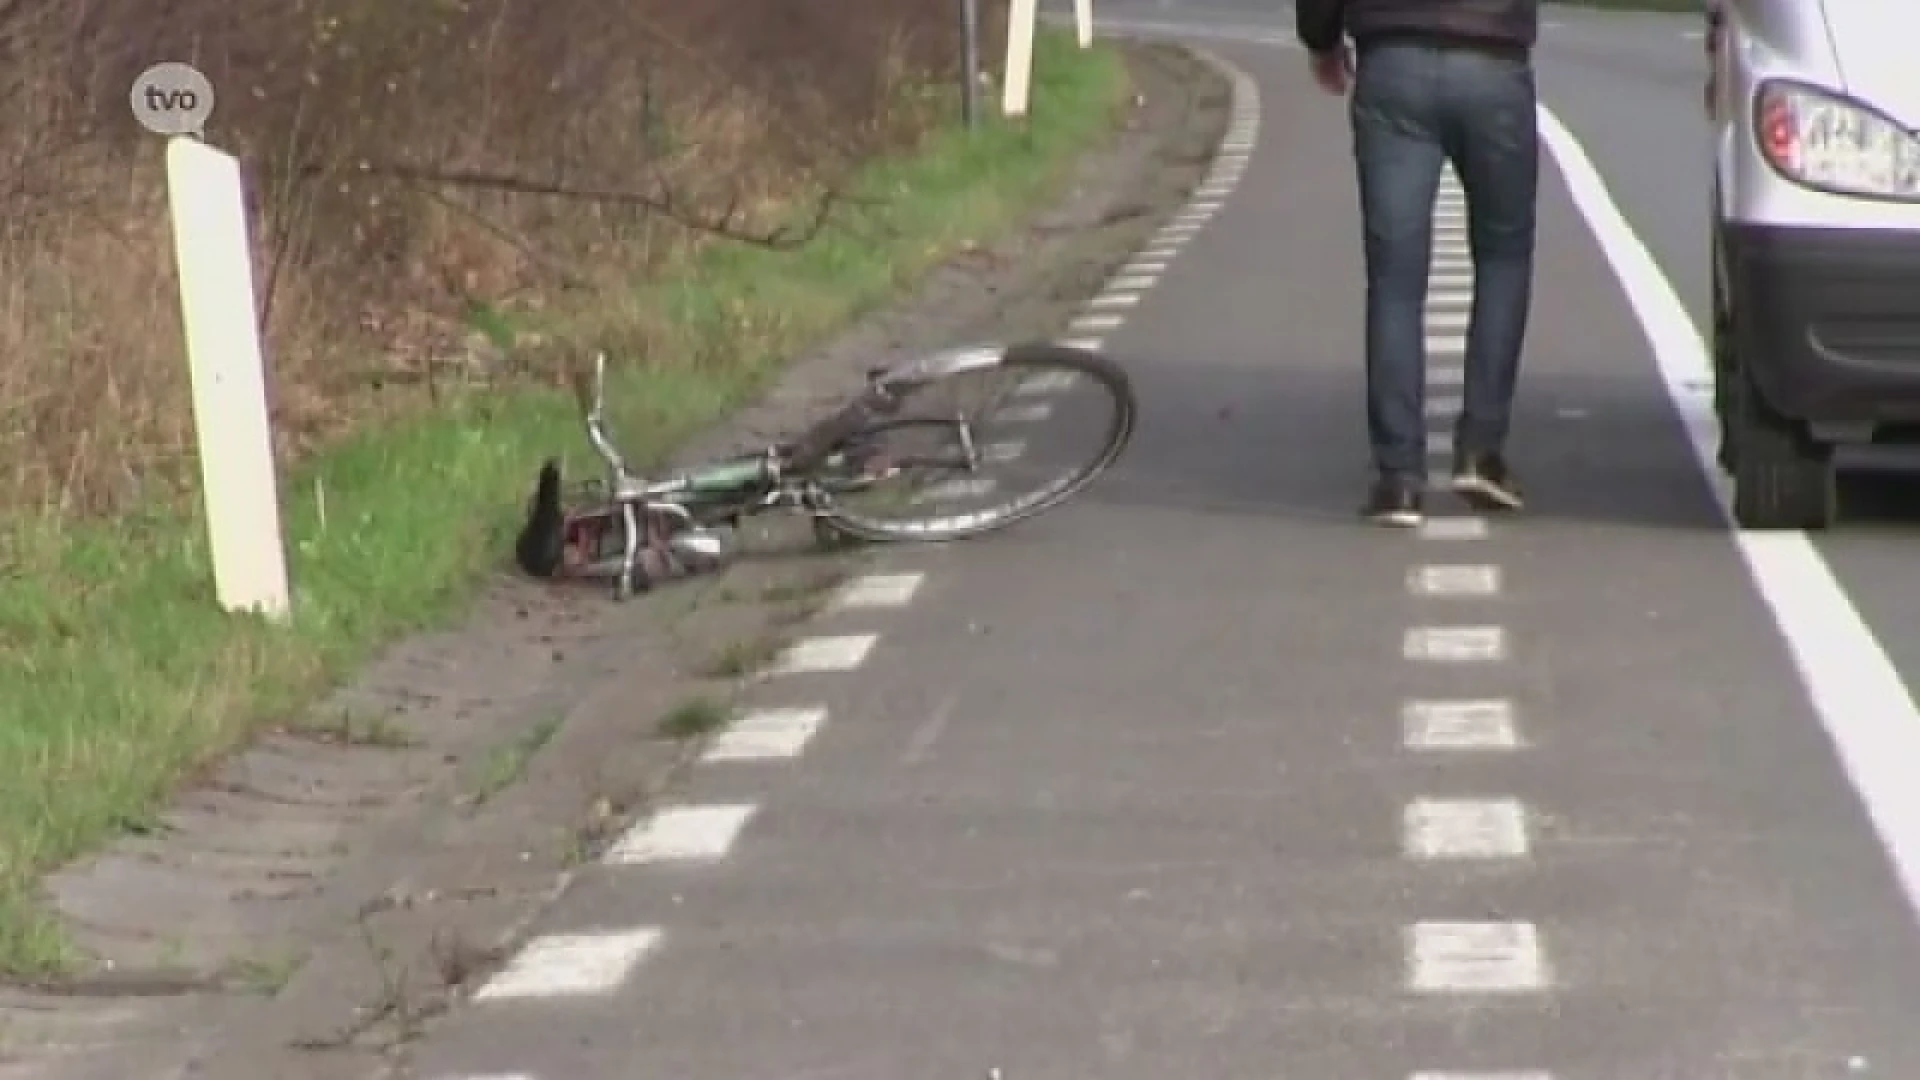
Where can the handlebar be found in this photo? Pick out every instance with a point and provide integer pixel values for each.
(593, 400)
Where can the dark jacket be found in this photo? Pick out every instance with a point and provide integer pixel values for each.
(1321, 23)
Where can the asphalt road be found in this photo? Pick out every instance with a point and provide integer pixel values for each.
(1199, 777)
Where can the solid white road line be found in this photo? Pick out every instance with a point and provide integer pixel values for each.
(1853, 686)
(569, 965)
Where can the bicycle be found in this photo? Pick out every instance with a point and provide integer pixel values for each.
(636, 532)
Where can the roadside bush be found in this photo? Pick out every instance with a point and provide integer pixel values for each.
(417, 167)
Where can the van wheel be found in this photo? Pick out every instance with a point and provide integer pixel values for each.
(1782, 477)
(1726, 375)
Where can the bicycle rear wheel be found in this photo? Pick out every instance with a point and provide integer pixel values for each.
(1006, 456)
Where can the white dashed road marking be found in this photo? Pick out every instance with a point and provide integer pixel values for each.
(1481, 1076)
(878, 591)
(1464, 829)
(841, 652)
(959, 489)
(1451, 957)
(682, 834)
(1026, 414)
(1049, 382)
(1454, 528)
(1459, 725)
(1454, 580)
(1475, 958)
(1456, 644)
(569, 965)
(766, 735)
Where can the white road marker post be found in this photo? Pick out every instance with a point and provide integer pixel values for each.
(207, 205)
(1083, 21)
(1023, 17)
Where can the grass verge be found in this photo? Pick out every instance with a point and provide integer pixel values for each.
(118, 675)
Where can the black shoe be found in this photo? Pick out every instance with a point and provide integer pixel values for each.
(1395, 501)
(1486, 483)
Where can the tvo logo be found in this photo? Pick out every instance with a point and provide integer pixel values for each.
(172, 99)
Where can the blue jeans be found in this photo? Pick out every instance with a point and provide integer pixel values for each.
(1415, 106)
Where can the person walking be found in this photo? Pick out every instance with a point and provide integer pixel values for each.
(1432, 82)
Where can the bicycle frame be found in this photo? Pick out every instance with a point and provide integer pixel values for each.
(674, 518)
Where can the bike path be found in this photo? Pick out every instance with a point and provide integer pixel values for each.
(1157, 785)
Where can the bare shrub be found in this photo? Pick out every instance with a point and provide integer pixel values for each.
(409, 161)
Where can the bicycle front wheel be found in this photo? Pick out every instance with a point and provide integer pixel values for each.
(991, 439)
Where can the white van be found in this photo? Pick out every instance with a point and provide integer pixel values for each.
(1815, 106)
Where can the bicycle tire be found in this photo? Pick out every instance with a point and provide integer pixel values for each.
(1030, 359)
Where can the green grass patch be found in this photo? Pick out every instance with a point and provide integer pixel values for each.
(504, 765)
(693, 718)
(119, 676)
